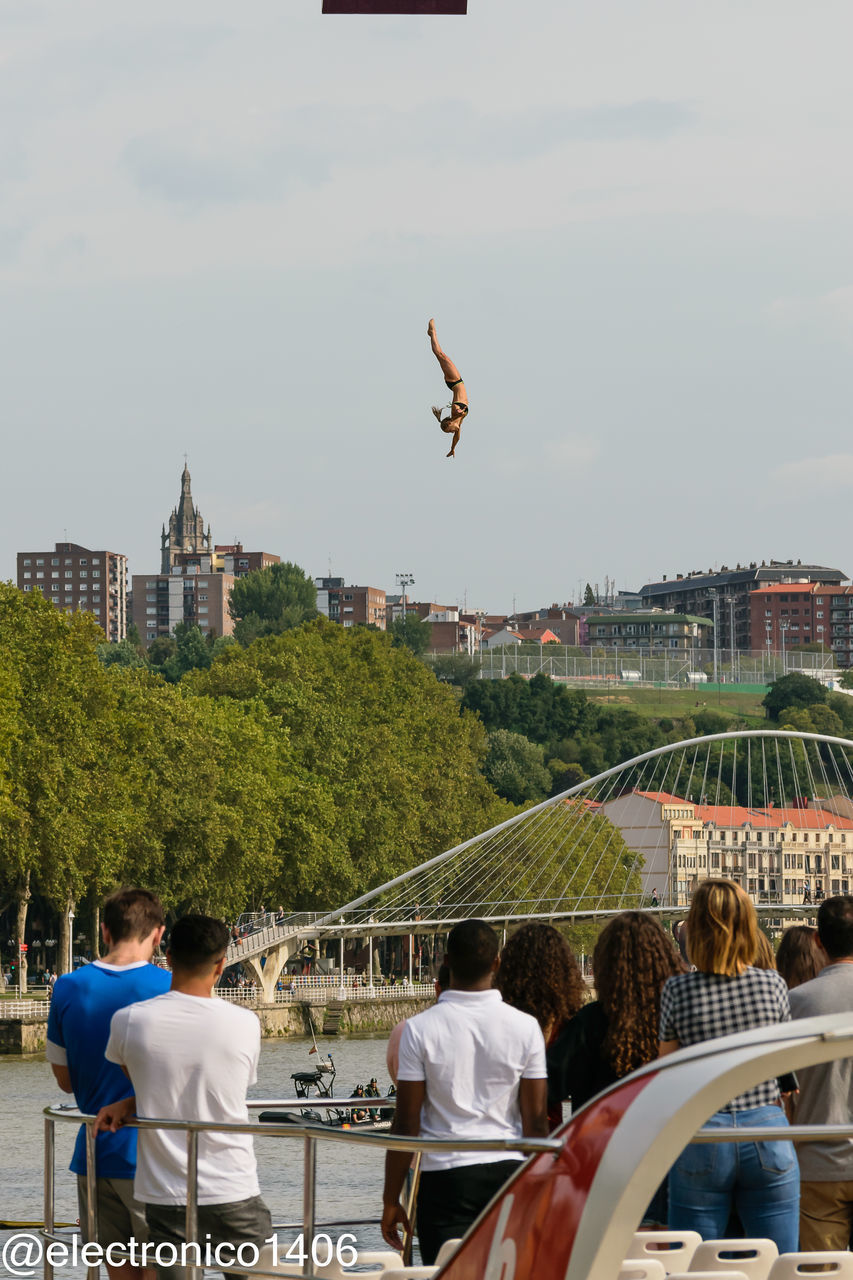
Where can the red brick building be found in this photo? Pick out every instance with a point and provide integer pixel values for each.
(73, 577)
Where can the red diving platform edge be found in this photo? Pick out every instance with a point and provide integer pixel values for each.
(396, 6)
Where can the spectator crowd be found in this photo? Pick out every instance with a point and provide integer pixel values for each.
(510, 1040)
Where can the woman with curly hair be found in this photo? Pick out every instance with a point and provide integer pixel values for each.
(539, 975)
(799, 958)
(617, 1032)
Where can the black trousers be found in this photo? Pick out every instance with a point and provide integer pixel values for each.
(450, 1200)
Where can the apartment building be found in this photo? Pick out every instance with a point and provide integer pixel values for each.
(351, 606)
(74, 578)
(729, 590)
(780, 855)
(655, 631)
(196, 594)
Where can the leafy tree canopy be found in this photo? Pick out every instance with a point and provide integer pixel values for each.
(271, 600)
(384, 772)
(515, 767)
(412, 633)
(794, 690)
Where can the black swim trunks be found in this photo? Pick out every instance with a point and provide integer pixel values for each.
(451, 385)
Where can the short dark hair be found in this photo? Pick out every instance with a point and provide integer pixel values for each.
(198, 943)
(443, 977)
(472, 948)
(132, 913)
(835, 926)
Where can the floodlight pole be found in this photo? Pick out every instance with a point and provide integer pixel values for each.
(404, 580)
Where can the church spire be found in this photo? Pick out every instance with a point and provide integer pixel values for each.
(186, 536)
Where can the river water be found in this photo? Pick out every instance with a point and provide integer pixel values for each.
(349, 1185)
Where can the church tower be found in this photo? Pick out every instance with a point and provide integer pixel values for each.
(186, 533)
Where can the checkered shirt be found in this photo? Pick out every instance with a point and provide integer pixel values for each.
(701, 1006)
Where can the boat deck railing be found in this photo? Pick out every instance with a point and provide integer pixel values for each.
(312, 1133)
(309, 1134)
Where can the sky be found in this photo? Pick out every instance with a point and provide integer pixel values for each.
(224, 227)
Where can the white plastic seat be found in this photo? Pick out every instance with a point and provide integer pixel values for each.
(673, 1248)
(790, 1265)
(447, 1251)
(642, 1269)
(708, 1275)
(754, 1257)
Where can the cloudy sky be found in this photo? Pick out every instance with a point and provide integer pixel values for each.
(223, 228)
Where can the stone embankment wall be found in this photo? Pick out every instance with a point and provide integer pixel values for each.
(28, 1035)
(22, 1035)
(358, 1016)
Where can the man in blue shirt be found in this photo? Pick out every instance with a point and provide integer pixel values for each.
(78, 1029)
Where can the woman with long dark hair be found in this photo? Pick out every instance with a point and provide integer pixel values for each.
(726, 993)
(539, 975)
(799, 958)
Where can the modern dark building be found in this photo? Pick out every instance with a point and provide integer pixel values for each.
(728, 591)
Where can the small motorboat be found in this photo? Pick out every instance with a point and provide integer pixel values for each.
(320, 1083)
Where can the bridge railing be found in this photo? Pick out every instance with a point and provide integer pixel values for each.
(23, 1009)
(316, 992)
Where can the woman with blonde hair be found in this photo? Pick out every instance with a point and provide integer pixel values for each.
(725, 994)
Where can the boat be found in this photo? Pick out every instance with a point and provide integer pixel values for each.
(354, 1112)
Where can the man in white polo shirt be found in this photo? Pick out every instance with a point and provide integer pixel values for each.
(191, 1057)
(470, 1067)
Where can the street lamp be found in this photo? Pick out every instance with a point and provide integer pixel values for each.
(783, 627)
(70, 939)
(713, 594)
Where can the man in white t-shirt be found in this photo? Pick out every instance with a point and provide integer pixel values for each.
(470, 1067)
(190, 1056)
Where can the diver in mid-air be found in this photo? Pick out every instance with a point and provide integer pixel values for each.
(452, 425)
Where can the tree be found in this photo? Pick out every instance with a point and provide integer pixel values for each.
(589, 597)
(846, 680)
(515, 767)
(271, 601)
(122, 653)
(456, 668)
(383, 771)
(794, 690)
(161, 649)
(411, 632)
(192, 653)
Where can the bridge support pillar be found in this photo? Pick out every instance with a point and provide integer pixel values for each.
(267, 976)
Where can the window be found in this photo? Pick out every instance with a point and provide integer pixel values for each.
(28, 562)
(55, 599)
(27, 573)
(93, 562)
(84, 573)
(54, 573)
(96, 573)
(39, 573)
(202, 608)
(27, 587)
(150, 610)
(768, 613)
(152, 597)
(202, 597)
(202, 584)
(96, 599)
(148, 585)
(84, 586)
(819, 600)
(69, 573)
(38, 562)
(83, 560)
(55, 560)
(68, 560)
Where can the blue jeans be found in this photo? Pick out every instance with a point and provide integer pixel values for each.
(759, 1180)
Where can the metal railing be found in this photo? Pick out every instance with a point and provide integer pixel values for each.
(310, 1134)
(320, 991)
(23, 1009)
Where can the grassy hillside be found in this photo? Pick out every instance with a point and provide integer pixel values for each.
(678, 703)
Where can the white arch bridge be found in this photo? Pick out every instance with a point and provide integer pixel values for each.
(769, 808)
